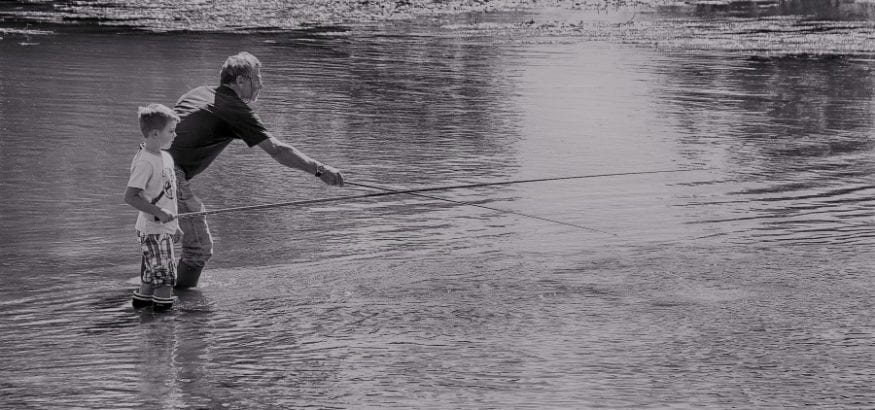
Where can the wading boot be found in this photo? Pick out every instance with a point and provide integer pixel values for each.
(139, 301)
(161, 304)
(187, 275)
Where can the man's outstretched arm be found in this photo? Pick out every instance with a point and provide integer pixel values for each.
(290, 156)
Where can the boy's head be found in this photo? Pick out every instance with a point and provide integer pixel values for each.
(158, 121)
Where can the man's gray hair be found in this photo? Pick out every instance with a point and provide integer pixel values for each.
(242, 63)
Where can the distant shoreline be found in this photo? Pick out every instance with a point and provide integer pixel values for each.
(760, 28)
(263, 15)
(33, 18)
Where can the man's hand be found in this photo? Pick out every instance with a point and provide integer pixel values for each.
(177, 236)
(332, 176)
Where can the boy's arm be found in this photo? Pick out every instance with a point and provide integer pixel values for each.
(134, 197)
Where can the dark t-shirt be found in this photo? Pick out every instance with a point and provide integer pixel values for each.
(210, 118)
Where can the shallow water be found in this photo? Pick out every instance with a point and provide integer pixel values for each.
(742, 282)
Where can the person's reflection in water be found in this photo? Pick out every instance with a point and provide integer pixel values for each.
(173, 366)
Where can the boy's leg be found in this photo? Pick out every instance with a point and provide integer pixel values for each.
(197, 243)
(159, 271)
(142, 297)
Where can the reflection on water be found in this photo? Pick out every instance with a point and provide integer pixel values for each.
(743, 282)
(798, 130)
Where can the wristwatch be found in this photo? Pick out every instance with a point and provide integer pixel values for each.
(320, 169)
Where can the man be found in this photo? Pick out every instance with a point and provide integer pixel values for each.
(210, 118)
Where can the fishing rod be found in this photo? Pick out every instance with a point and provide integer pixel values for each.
(418, 191)
(504, 211)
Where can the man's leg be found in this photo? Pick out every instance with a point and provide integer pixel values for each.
(197, 243)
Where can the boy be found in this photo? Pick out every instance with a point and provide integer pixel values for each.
(152, 190)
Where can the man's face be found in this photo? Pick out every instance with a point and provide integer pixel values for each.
(252, 86)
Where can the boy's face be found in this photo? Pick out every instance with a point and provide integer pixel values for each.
(165, 136)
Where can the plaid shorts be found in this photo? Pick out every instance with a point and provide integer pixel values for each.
(158, 267)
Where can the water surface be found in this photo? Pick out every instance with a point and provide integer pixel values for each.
(742, 282)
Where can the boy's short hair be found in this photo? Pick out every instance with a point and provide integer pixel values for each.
(155, 117)
(242, 63)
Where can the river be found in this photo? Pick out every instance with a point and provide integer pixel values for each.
(741, 279)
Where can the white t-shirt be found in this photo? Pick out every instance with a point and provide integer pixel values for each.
(154, 174)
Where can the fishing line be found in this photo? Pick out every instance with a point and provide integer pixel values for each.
(504, 211)
(306, 202)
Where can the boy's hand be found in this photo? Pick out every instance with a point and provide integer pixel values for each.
(177, 236)
(165, 216)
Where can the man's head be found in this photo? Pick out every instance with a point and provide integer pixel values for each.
(242, 73)
(158, 122)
